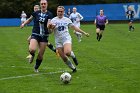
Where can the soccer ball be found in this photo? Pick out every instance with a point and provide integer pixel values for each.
(65, 77)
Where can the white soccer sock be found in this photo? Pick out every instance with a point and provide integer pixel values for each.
(72, 54)
(78, 33)
(69, 63)
(79, 36)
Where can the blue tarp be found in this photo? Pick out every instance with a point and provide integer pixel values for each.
(11, 22)
(89, 12)
(112, 11)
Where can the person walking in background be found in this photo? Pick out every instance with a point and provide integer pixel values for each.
(68, 13)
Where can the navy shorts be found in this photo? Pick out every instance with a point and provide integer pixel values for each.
(131, 20)
(101, 27)
(39, 38)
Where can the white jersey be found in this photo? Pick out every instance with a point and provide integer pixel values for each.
(23, 17)
(61, 28)
(76, 17)
(61, 31)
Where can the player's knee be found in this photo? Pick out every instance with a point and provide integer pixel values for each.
(68, 53)
(32, 50)
(28, 40)
(40, 57)
(64, 58)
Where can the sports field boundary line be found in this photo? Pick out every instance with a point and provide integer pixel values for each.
(30, 75)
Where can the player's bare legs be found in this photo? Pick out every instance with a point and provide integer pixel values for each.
(64, 53)
(130, 26)
(42, 47)
(97, 33)
(32, 48)
(28, 40)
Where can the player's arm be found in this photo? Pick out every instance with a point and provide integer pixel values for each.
(95, 21)
(25, 15)
(127, 14)
(81, 17)
(27, 21)
(106, 22)
(70, 17)
(133, 13)
(79, 30)
(50, 26)
(48, 23)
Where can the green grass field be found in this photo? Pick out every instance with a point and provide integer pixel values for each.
(109, 66)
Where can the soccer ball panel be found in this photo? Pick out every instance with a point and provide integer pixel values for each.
(65, 77)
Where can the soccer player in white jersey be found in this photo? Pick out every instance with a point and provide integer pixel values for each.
(76, 18)
(63, 41)
(23, 17)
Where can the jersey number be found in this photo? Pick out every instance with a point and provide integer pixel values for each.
(61, 28)
(41, 19)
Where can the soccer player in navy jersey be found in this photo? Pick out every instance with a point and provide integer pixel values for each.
(40, 33)
(100, 21)
(37, 8)
(130, 15)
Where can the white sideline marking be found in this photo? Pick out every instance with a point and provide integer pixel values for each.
(32, 67)
(30, 75)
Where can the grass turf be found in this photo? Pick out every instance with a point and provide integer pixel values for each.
(109, 66)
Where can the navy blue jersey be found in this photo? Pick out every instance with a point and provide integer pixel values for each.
(40, 22)
(130, 14)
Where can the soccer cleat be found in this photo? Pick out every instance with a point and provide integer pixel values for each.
(97, 37)
(75, 61)
(57, 54)
(74, 70)
(31, 59)
(36, 70)
(29, 56)
(133, 28)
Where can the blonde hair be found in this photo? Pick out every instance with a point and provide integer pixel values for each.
(130, 7)
(74, 8)
(61, 7)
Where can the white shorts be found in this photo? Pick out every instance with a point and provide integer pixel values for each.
(77, 24)
(23, 19)
(61, 41)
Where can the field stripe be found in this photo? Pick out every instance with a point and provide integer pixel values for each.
(32, 67)
(30, 75)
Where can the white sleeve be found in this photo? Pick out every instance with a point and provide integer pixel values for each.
(69, 22)
(70, 16)
(80, 16)
(53, 21)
